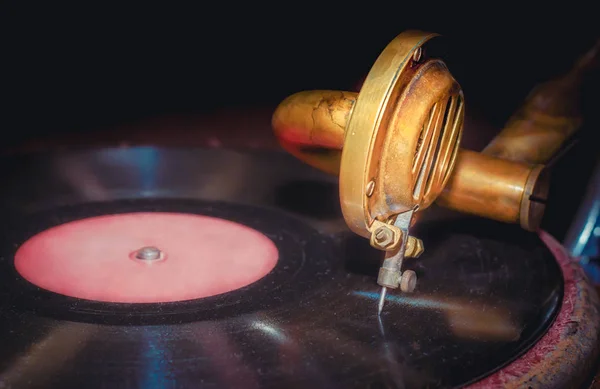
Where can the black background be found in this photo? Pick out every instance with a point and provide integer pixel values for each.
(76, 66)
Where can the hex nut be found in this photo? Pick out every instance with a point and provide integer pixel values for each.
(414, 247)
(383, 236)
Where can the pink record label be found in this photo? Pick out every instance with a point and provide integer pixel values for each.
(146, 257)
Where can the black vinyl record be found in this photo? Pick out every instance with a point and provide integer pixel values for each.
(486, 291)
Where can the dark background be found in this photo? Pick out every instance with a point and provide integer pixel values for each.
(73, 68)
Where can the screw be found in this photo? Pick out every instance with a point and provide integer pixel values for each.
(148, 253)
(417, 54)
(370, 188)
(408, 281)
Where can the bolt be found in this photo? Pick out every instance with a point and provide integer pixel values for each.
(408, 281)
(370, 188)
(417, 54)
(148, 253)
(384, 236)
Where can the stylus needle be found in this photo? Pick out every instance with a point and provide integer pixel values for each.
(381, 300)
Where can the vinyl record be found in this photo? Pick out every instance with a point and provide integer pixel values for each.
(486, 291)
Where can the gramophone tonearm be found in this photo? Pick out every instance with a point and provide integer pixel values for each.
(396, 148)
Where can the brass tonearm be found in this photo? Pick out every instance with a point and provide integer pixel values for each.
(396, 148)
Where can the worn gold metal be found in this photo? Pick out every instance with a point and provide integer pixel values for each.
(385, 236)
(550, 115)
(497, 189)
(377, 129)
(414, 247)
(311, 126)
(402, 134)
(465, 189)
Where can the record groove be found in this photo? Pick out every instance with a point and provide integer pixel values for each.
(484, 288)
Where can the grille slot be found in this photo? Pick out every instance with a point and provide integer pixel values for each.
(437, 147)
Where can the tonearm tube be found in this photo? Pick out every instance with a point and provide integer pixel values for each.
(396, 148)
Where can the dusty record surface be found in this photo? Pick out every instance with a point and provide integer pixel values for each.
(486, 292)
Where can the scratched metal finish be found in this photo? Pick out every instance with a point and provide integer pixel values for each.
(486, 292)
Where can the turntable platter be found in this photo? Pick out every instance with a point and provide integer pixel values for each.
(485, 289)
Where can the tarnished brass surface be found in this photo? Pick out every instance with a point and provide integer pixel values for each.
(468, 188)
(497, 189)
(548, 118)
(311, 125)
(399, 137)
(397, 117)
(379, 133)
